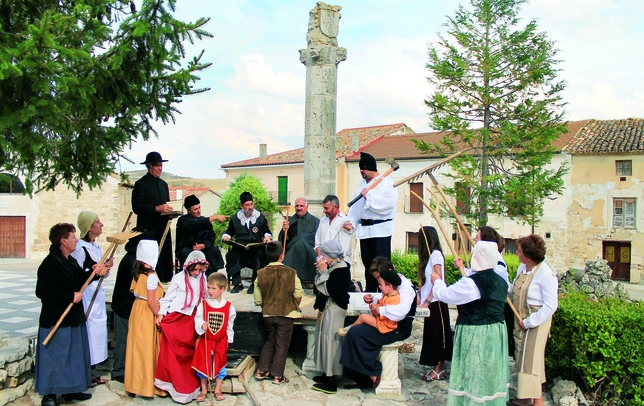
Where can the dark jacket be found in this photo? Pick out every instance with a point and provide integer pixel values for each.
(122, 297)
(300, 254)
(191, 231)
(337, 286)
(148, 193)
(58, 279)
(245, 235)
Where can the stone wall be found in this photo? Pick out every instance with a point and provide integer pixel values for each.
(16, 362)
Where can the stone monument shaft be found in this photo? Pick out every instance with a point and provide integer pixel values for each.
(321, 58)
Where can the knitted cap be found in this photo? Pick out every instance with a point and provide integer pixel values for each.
(148, 252)
(190, 201)
(245, 197)
(367, 162)
(332, 249)
(484, 256)
(85, 221)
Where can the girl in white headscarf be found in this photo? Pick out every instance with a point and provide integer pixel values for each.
(187, 289)
(142, 347)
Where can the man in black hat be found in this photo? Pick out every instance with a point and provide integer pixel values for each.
(247, 226)
(195, 233)
(372, 217)
(149, 201)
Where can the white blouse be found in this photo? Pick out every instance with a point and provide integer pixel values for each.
(174, 299)
(541, 292)
(435, 259)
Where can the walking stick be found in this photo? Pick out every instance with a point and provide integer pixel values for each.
(117, 239)
(286, 233)
(100, 281)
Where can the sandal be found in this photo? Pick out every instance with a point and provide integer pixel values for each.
(278, 380)
(201, 397)
(259, 375)
(219, 396)
(97, 380)
(427, 377)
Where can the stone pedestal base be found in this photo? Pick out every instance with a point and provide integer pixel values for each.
(309, 363)
(389, 381)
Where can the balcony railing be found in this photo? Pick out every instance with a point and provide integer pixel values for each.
(281, 198)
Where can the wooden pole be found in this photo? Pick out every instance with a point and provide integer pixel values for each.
(286, 233)
(440, 223)
(451, 207)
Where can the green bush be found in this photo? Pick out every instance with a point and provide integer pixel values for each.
(407, 264)
(599, 345)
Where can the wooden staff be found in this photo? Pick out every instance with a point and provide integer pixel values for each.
(437, 217)
(117, 239)
(451, 207)
(440, 224)
(286, 232)
(100, 281)
(165, 234)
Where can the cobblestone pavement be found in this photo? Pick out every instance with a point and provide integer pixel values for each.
(19, 310)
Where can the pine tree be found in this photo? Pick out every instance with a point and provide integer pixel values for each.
(81, 79)
(497, 94)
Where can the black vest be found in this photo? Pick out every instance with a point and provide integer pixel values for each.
(489, 308)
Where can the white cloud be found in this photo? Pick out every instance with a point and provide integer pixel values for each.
(604, 103)
(253, 74)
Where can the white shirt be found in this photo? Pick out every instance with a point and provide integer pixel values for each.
(150, 284)
(435, 259)
(463, 291)
(94, 252)
(199, 320)
(541, 292)
(174, 299)
(407, 297)
(333, 231)
(378, 204)
(501, 270)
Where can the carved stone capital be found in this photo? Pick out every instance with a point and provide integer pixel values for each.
(322, 55)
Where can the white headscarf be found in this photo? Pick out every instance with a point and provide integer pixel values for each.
(485, 256)
(148, 252)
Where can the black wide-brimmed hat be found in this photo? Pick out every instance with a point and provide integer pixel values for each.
(153, 157)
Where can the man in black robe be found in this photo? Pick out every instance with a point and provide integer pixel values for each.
(247, 226)
(195, 233)
(149, 201)
(300, 244)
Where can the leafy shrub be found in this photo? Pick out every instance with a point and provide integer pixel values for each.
(599, 345)
(407, 264)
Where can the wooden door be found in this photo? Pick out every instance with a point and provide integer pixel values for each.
(618, 255)
(12, 237)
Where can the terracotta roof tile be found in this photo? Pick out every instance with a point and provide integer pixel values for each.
(344, 144)
(609, 136)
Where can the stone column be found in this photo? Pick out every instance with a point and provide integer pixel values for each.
(321, 58)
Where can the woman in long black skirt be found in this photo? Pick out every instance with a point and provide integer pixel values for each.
(437, 334)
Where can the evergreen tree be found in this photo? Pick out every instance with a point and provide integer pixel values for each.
(497, 94)
(81, 79)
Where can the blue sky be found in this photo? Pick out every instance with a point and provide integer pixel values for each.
(258, 83)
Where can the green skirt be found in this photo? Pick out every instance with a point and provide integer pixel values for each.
(480, 367)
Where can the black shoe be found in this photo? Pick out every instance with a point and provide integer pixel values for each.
(49, 400)
(77, 396)
(325, 387)
(320, 379)
(250, 289)
(118, 378)
(237, 288)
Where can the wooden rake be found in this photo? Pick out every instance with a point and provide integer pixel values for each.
(117, 239)
(435, 212)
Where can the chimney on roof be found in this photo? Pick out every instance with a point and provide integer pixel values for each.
(179, 194)
(262, 151)
(355, 141)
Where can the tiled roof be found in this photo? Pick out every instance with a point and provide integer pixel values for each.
(609, 136)
(344, 144)
(187, 190)
(402, 146)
